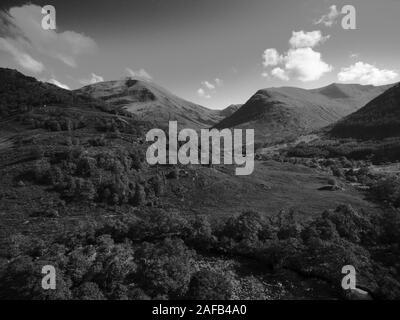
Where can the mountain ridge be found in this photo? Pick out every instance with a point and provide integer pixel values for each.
(378, 119)
(285, 112)
(150, 102)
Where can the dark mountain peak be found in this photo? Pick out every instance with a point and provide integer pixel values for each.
(20, 93)
(334, 91)
(379, 118)
(12, 76)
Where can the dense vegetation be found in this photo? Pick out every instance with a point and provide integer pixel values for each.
(19, 94)
(94, 209)
(378, 151)
(157, 255)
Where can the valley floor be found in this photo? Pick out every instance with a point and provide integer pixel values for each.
(272, 187)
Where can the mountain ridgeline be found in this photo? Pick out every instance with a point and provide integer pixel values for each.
(149, 102)
(277, 114)
(380, 118)
(20, 93)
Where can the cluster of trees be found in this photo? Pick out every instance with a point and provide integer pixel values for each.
(111, 175)
(387, 189)
(64, 119)
(386, 150)
(154, 255)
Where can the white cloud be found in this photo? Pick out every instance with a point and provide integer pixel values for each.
(94, 79)
(330, 18)
(201, 93)
(271, 57)
(59, 84)
(280, 74)
(208, 85)
(140, 74)
(305, 64)
(219, 82)
(365, 73)
(300, 61)
(22, 25)
(265, 74)
(303, 39)
(21, 58)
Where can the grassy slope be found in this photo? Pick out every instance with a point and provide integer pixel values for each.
(279, 113)
(152, 103)
(272, 187)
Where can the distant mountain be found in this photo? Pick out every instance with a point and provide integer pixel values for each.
(20, 93)
(229, 110)
(149, 102)
(282, 113)
(380, 118)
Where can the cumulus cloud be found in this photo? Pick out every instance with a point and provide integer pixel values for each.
(140, 74)
(219, 82)
(59, 84)
(330, 18)
(303, 39)
(265, 74)
(21, 58)
(202, 93)
(305, 64)
(92, 80)
(271, 57)
(301, 61)
(280, 74)
(21, 27)
(208, 85)
(365, 73)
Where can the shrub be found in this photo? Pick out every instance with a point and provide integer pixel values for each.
(387, 189)
(164, 268)
(249, 226)
(209, 285)
(88, 291)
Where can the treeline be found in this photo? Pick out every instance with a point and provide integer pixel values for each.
(387, 150)
(111, 174)
(155, 255)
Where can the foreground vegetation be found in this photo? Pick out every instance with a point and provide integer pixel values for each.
(76, 193)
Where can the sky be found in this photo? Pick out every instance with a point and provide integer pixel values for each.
(212, 52)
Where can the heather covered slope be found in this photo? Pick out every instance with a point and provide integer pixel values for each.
(380, 118)
(284, 113)
(20, 93)
(152, 103)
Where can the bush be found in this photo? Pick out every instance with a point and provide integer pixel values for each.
(209, 285)
(249, 226)
(387, 189)
(88, 291)
(164, 268)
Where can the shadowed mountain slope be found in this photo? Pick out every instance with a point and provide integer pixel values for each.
(380, 118)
